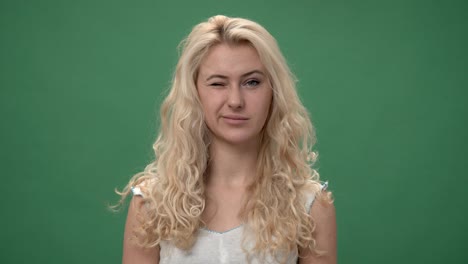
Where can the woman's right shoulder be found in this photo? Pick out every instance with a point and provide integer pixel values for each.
(132, 252)
(143, 187)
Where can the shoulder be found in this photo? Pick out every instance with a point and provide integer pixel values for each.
(323, 214)
(322, 209)
(314, 191)
(132, 251)
(143, 187)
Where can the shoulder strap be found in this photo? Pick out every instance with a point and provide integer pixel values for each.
(137, 191)
(310, 197)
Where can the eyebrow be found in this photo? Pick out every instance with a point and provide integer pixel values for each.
(225, 77)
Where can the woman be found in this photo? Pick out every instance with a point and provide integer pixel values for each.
(232, 181)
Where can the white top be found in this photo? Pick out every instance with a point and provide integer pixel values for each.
(215, 247)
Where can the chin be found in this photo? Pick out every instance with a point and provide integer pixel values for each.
(240, 139)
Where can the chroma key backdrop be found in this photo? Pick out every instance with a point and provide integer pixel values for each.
(385, 83)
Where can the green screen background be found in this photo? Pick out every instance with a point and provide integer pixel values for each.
(385, 83)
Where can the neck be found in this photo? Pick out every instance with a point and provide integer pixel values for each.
(232, 165)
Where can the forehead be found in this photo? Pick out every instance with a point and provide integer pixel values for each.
(231, 60)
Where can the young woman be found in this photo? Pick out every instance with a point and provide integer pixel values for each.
(232, 181)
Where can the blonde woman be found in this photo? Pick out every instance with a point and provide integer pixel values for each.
(232, 181)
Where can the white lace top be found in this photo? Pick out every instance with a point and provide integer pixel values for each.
(215, 247)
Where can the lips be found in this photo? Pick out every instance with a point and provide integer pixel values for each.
(235, 120)
(235, 117)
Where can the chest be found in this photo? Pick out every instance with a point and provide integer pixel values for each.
(213, 247)
(222, 209)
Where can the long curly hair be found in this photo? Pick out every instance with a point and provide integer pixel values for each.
(173, 183)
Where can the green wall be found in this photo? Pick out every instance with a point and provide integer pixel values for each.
(385, 83)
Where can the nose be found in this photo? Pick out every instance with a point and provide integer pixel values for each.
(235, 97)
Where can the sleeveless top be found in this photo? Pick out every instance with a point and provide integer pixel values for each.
(218, 247)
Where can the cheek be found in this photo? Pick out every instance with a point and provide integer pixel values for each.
(209, 111)
(266, 112)
(203, 101)
(211, 102)
(268, 104)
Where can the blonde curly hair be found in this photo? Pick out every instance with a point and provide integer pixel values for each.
(174, 181)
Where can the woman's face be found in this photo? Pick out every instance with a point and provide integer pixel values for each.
(235, 93)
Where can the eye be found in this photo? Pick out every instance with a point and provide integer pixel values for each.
(252, 83)
(217, 84)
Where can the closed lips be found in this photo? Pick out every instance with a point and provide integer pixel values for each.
(233, 117)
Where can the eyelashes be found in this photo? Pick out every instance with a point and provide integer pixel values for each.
(249, 83)
(252, 83)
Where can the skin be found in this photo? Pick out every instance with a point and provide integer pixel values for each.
(131, 252)
(236, 96)
(324, 216)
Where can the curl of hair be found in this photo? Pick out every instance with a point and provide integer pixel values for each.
(174, 198)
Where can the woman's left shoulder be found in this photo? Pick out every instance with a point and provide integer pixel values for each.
(323, 202)
(316, 191)
(322, 212)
